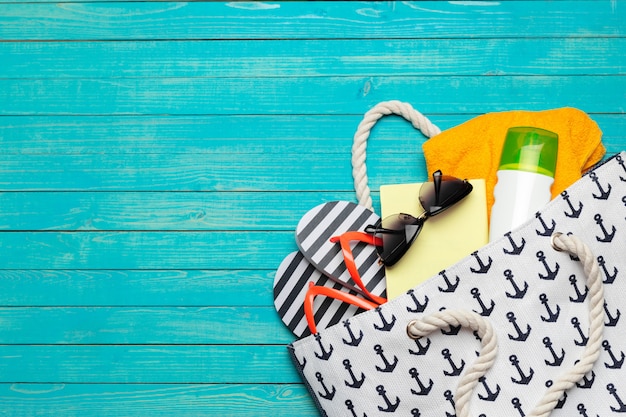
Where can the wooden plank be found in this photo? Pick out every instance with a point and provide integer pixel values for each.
(143, 325)
(252, 134)
(149, 400)
(296, 95)
(136, 364)
(165, 288)
(175, 211)
(313, 58)
(186, 172)
(301, 134)
(304, 20)
(241, 250)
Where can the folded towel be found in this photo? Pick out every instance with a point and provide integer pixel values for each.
(472, 150)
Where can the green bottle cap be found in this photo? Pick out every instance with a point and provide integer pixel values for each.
(530, 149)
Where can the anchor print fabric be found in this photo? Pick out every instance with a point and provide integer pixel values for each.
(536, 300)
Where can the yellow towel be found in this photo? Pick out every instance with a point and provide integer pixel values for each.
(472, 150)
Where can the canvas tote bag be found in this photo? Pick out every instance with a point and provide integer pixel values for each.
(527, 325)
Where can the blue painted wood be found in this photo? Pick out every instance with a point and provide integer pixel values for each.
(183, 400)
(147, 364)
(317, 95)
(304, 20)
(155, 158)
(314, 58)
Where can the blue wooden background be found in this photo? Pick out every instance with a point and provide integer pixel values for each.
(155, 158)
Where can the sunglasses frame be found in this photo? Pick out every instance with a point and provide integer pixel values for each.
(429, 211)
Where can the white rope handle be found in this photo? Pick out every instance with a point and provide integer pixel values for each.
(359, 171)
(469, 380)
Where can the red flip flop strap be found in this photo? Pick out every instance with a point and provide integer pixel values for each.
(344, 241)
(315, 290)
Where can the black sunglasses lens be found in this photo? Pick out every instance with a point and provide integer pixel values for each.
(450, 191)
(397, 232)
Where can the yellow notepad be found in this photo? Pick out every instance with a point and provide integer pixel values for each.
(445, 239)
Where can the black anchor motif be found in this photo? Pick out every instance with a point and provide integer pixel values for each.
(574, 212)
(521, 336)
(519, 293)
(452, 330)
(582, 410)
(556, 359)
(515, 248)
(608, 236)
(485, 311)
(325, 355)
(483, 267)
(609, 278)
(415, 412)
(389, 366)
(577, 326)
(553, 316)
(562, 400)
(327, 395)
(421, 350)
(450, 397)
(386, 325)
(613, 319)
(456, 370)
(450, 287)
(617, 363)
(550, 274)
(355, 383)
(580, 297)
(389, 406)
(490, 395)
(354, 341)
(621, 406)
(424, 390)
(302, 364)
(547, 231)
(587, 381)
(620, 160)
(604, 194)
(523, 379)
(350, 407)
(517, 404)
(419, 307)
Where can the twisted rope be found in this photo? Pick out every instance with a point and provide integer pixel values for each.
(359, 171)
(469, 380)
(488, 352)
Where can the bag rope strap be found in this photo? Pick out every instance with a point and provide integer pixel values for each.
(425, 326)
(359, 171)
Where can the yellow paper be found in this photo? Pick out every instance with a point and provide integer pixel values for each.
(444, 240)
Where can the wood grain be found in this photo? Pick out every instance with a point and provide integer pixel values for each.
(155, 158)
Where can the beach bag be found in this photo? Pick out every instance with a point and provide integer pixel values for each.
(528, 325)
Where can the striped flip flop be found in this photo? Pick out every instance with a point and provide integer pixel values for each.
(319, 259)
(290, 286)
(328, 220)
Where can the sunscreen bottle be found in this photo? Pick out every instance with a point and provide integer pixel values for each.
(525, 175)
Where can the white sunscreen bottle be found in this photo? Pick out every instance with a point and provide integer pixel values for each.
(525, 175)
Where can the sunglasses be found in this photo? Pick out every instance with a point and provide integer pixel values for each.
(398, 231)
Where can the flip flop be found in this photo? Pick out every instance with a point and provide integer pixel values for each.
(322, 262)
(291, 283)
(329, 221)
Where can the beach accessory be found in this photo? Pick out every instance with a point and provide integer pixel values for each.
(398, 231)
(331, 264)
(318, 259)
(520, 327)
(478, 143)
